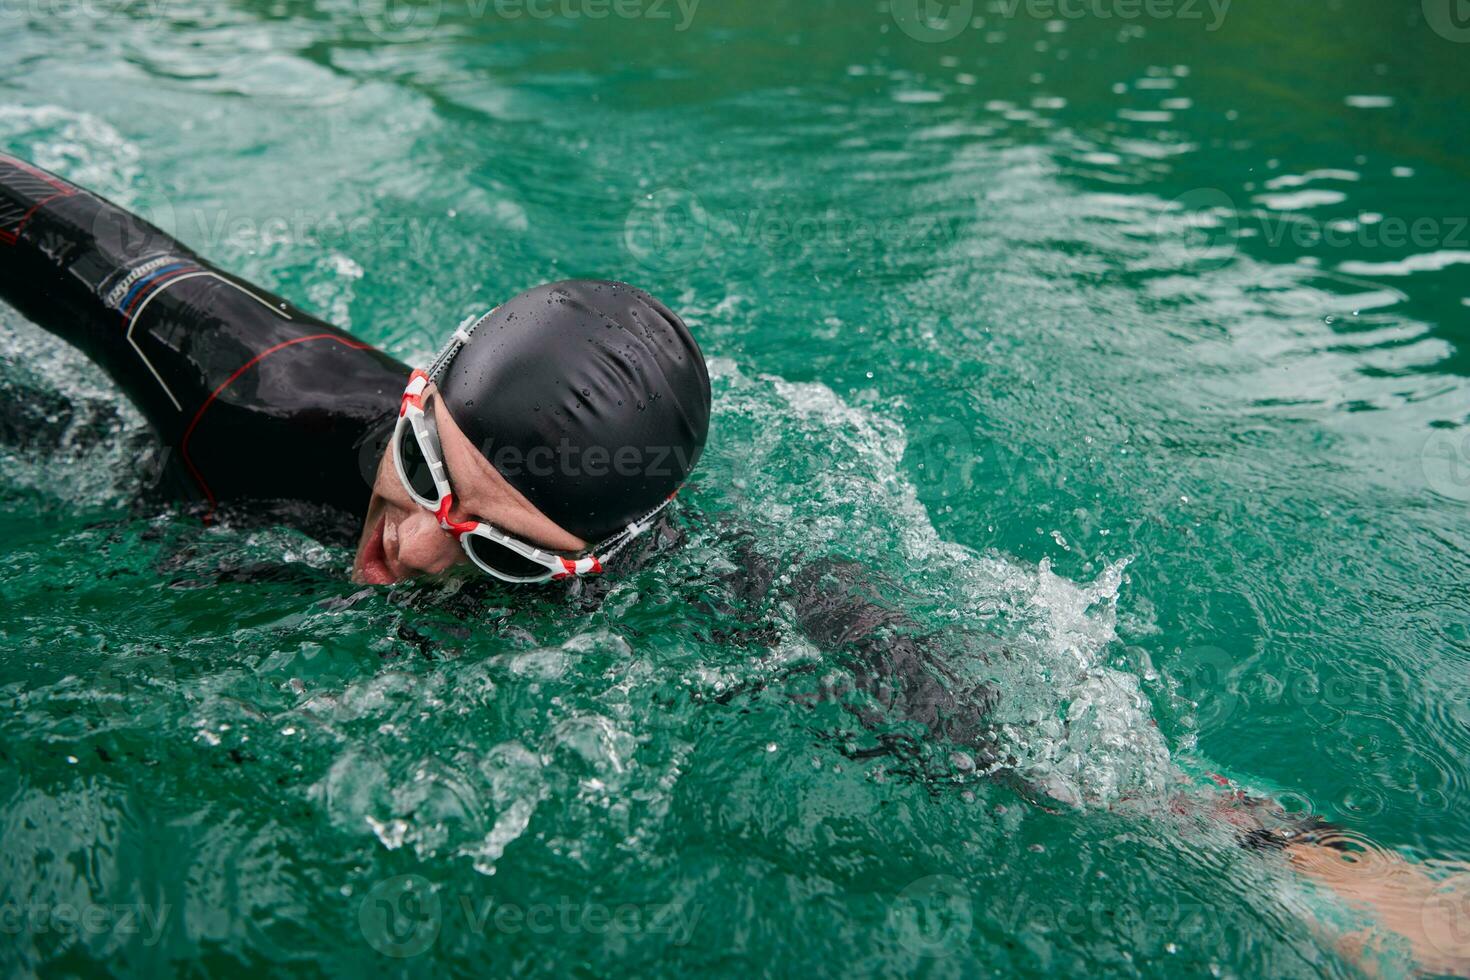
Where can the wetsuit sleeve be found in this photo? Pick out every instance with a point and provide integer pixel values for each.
(889, 669)
(254, 398)
(902, 673)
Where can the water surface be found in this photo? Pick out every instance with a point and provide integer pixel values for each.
(1135, 346)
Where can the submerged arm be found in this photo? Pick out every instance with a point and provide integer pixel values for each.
(887, 670)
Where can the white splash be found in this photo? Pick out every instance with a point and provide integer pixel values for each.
(1079, 729)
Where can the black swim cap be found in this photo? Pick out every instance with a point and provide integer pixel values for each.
(591, 398)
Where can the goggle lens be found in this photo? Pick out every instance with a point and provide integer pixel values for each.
(497, 556)
(415, 466)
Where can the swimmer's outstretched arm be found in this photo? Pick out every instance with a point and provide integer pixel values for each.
(1428, 910)
(1421, 907)
(883, 669)
(254, 398)
(906, 677)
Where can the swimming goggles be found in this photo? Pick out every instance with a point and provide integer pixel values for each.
(418, 456)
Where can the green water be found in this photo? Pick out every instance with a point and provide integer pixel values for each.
(1137, 342)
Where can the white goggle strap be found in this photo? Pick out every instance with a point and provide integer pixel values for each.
(416, 387)
(451, 348)
(436, 462)
(623, 538)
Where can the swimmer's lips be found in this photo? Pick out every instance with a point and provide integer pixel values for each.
(374, 568)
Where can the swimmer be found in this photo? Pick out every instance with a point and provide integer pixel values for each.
(547, 439)
(546, 435)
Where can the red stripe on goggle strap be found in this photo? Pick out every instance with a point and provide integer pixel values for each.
(457, 528)
(408, 399)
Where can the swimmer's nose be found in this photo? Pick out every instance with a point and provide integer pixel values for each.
(423, 547)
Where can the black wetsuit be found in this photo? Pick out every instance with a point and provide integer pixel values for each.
(255, 399)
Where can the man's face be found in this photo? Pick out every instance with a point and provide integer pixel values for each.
(400, 539)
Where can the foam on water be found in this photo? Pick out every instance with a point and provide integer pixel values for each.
(78, 145)
(82, 440)
(94, 433)
(265, 754)
(1074, 726)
